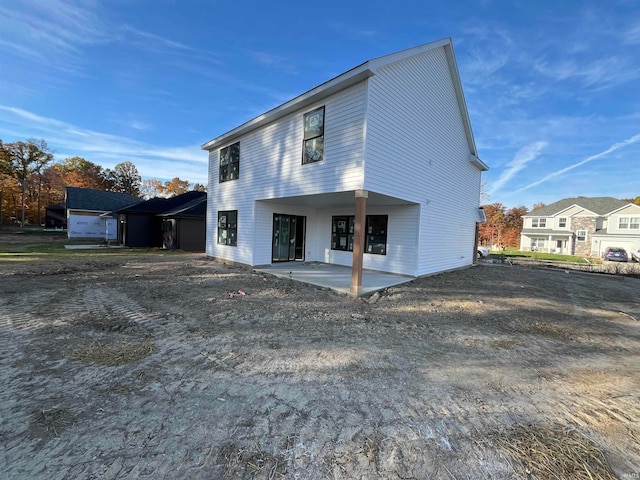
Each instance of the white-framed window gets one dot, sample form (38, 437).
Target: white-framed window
(538, 243)
(562, 222)
(538, 222)
(581, 235)
(632, 223)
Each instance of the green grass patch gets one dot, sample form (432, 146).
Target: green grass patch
(544, 256)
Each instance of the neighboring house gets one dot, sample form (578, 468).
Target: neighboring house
(140, 225)
(56, 216)
(184, 227)
(582, 226)
(383, 151)
(85, 209)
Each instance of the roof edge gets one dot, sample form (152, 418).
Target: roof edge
(342, 81)
(347, 79)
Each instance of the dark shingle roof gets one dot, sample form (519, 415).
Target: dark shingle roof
(195, 208)
(98, 200)
(597, 205)
(159, 205)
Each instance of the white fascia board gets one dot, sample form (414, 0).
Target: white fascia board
(621, 208)
(336, 84)
(476, 162)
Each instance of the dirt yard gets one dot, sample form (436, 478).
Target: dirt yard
(144, 366)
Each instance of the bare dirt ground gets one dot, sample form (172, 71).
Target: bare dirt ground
(143, 366)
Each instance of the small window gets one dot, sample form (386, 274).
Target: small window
(538, 222)
(634, 223)
(375, 234)
(313, 142)
(227, 227)
(581, 235)
(230, 162)
(562, 222)
(623, 222)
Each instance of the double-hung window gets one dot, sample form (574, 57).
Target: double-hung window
(581, 235)
(228, 227)
(313, 140)
(538, 222)
(537, 243)
(375, 240)
(562, 222)
(632, 223)
(230, 162)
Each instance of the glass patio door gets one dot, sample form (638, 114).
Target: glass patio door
(288, 238)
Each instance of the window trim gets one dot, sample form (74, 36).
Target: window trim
(631, 223)
(539, 222)
(229, 171)
(562, 220)
(584, 236)
(342, 236)
(536, 243)
(313, 135)
(228, 229)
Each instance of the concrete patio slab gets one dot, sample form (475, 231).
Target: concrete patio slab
(334, 277)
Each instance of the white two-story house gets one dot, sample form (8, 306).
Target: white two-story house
(376, 168)
(582, 226)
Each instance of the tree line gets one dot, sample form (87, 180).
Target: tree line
(31, 180)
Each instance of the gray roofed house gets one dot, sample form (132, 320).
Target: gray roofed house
(597, 205)
(582, 226)
(91, 200)
(85, 209)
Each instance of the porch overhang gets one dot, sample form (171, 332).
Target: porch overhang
(336, 200)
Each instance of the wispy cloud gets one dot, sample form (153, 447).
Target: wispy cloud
(106, 149)
(611, 149)
(632, 34)
(58, 33)
(271, 60)
(522, 157)
(598, 73)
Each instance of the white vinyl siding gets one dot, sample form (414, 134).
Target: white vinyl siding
(401, 239)
(417, 150)
(400, 133)
(272, 156)
(272, 168)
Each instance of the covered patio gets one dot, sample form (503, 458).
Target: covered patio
(334, 277)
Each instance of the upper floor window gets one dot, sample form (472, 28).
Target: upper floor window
(375, 240)
(538, 222)
(562, 222)
(313, 141)
(629, 223)
(228, 227)
(230, 162)
(581, 235)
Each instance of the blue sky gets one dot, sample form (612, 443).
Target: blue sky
(552, 87)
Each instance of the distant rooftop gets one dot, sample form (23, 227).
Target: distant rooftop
(98, 200)
(597, 205)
